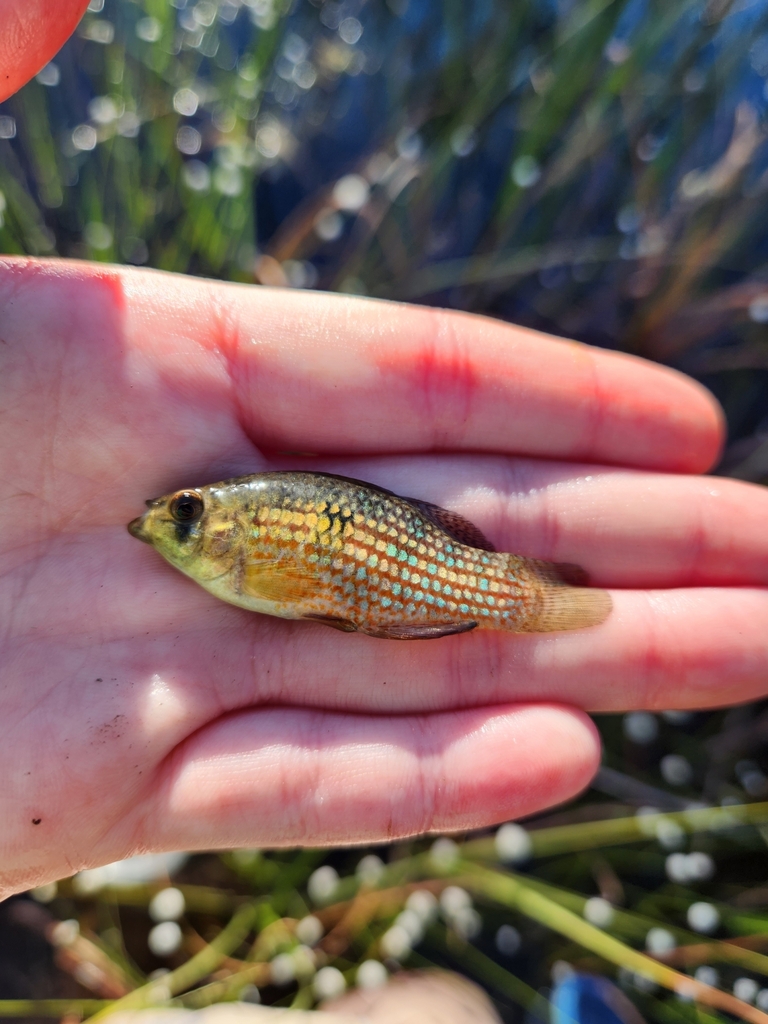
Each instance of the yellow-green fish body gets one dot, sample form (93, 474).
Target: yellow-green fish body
(314, 546)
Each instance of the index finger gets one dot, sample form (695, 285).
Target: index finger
(314, 372)
(331, 373)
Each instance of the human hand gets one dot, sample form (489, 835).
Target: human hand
(140, 713)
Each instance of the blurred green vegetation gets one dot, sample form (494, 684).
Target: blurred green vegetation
(594, 168)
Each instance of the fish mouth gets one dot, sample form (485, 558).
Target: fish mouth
(136, 529)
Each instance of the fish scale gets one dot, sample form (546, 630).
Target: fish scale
(352, 555)
(379, 560)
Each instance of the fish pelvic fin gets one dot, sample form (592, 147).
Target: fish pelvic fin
(561, 606)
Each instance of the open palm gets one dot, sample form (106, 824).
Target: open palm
(138, 712)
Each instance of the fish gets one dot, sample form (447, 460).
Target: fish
(358, 557)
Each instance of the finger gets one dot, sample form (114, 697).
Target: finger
(627, 528)
(181, 360)
(31, 32)
(283, 777)
(697, 647)
(657, 649)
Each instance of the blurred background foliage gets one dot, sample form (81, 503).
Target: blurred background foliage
(593, 168)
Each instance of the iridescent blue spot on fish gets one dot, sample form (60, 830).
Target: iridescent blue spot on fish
(405, 574)
(391, 551)
(432, 568)
(448, 589)
(440, 556)
(386, 602)
(485, 559)
(430, 598)
(408, 592)
(464, 609)
(396, 588)
(450, 562)
(485, 611)
(437, 585)
(412, 559)
(483, 584)
(373, 561)
(361, 573)
(490, 599)
(449, 548)
(440, 602)
(419, 595)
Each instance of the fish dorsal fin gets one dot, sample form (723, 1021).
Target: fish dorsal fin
(455, 525)
(419, 631)
(278, 580)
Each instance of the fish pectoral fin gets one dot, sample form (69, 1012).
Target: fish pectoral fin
(330, 620)
(455, 525)
(274, 579)
(424, 631)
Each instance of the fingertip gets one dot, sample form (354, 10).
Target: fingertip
(668, 420)
(697, 420)
(574, 736)
(711, 429)
(31, 33)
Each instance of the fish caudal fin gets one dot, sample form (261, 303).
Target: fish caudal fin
(564, 606)
(571, 608)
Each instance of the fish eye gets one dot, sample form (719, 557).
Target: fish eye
(186, 506)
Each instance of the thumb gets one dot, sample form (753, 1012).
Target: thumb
(31, 32)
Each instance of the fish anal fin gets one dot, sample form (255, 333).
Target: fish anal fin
(330, 620)
(419, 631)
(455, 525)
(278, 580)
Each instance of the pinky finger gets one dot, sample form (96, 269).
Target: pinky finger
(287, 776)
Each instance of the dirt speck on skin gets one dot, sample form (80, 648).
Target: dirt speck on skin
(109, 731)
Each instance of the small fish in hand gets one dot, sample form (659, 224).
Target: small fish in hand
(357, 557)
